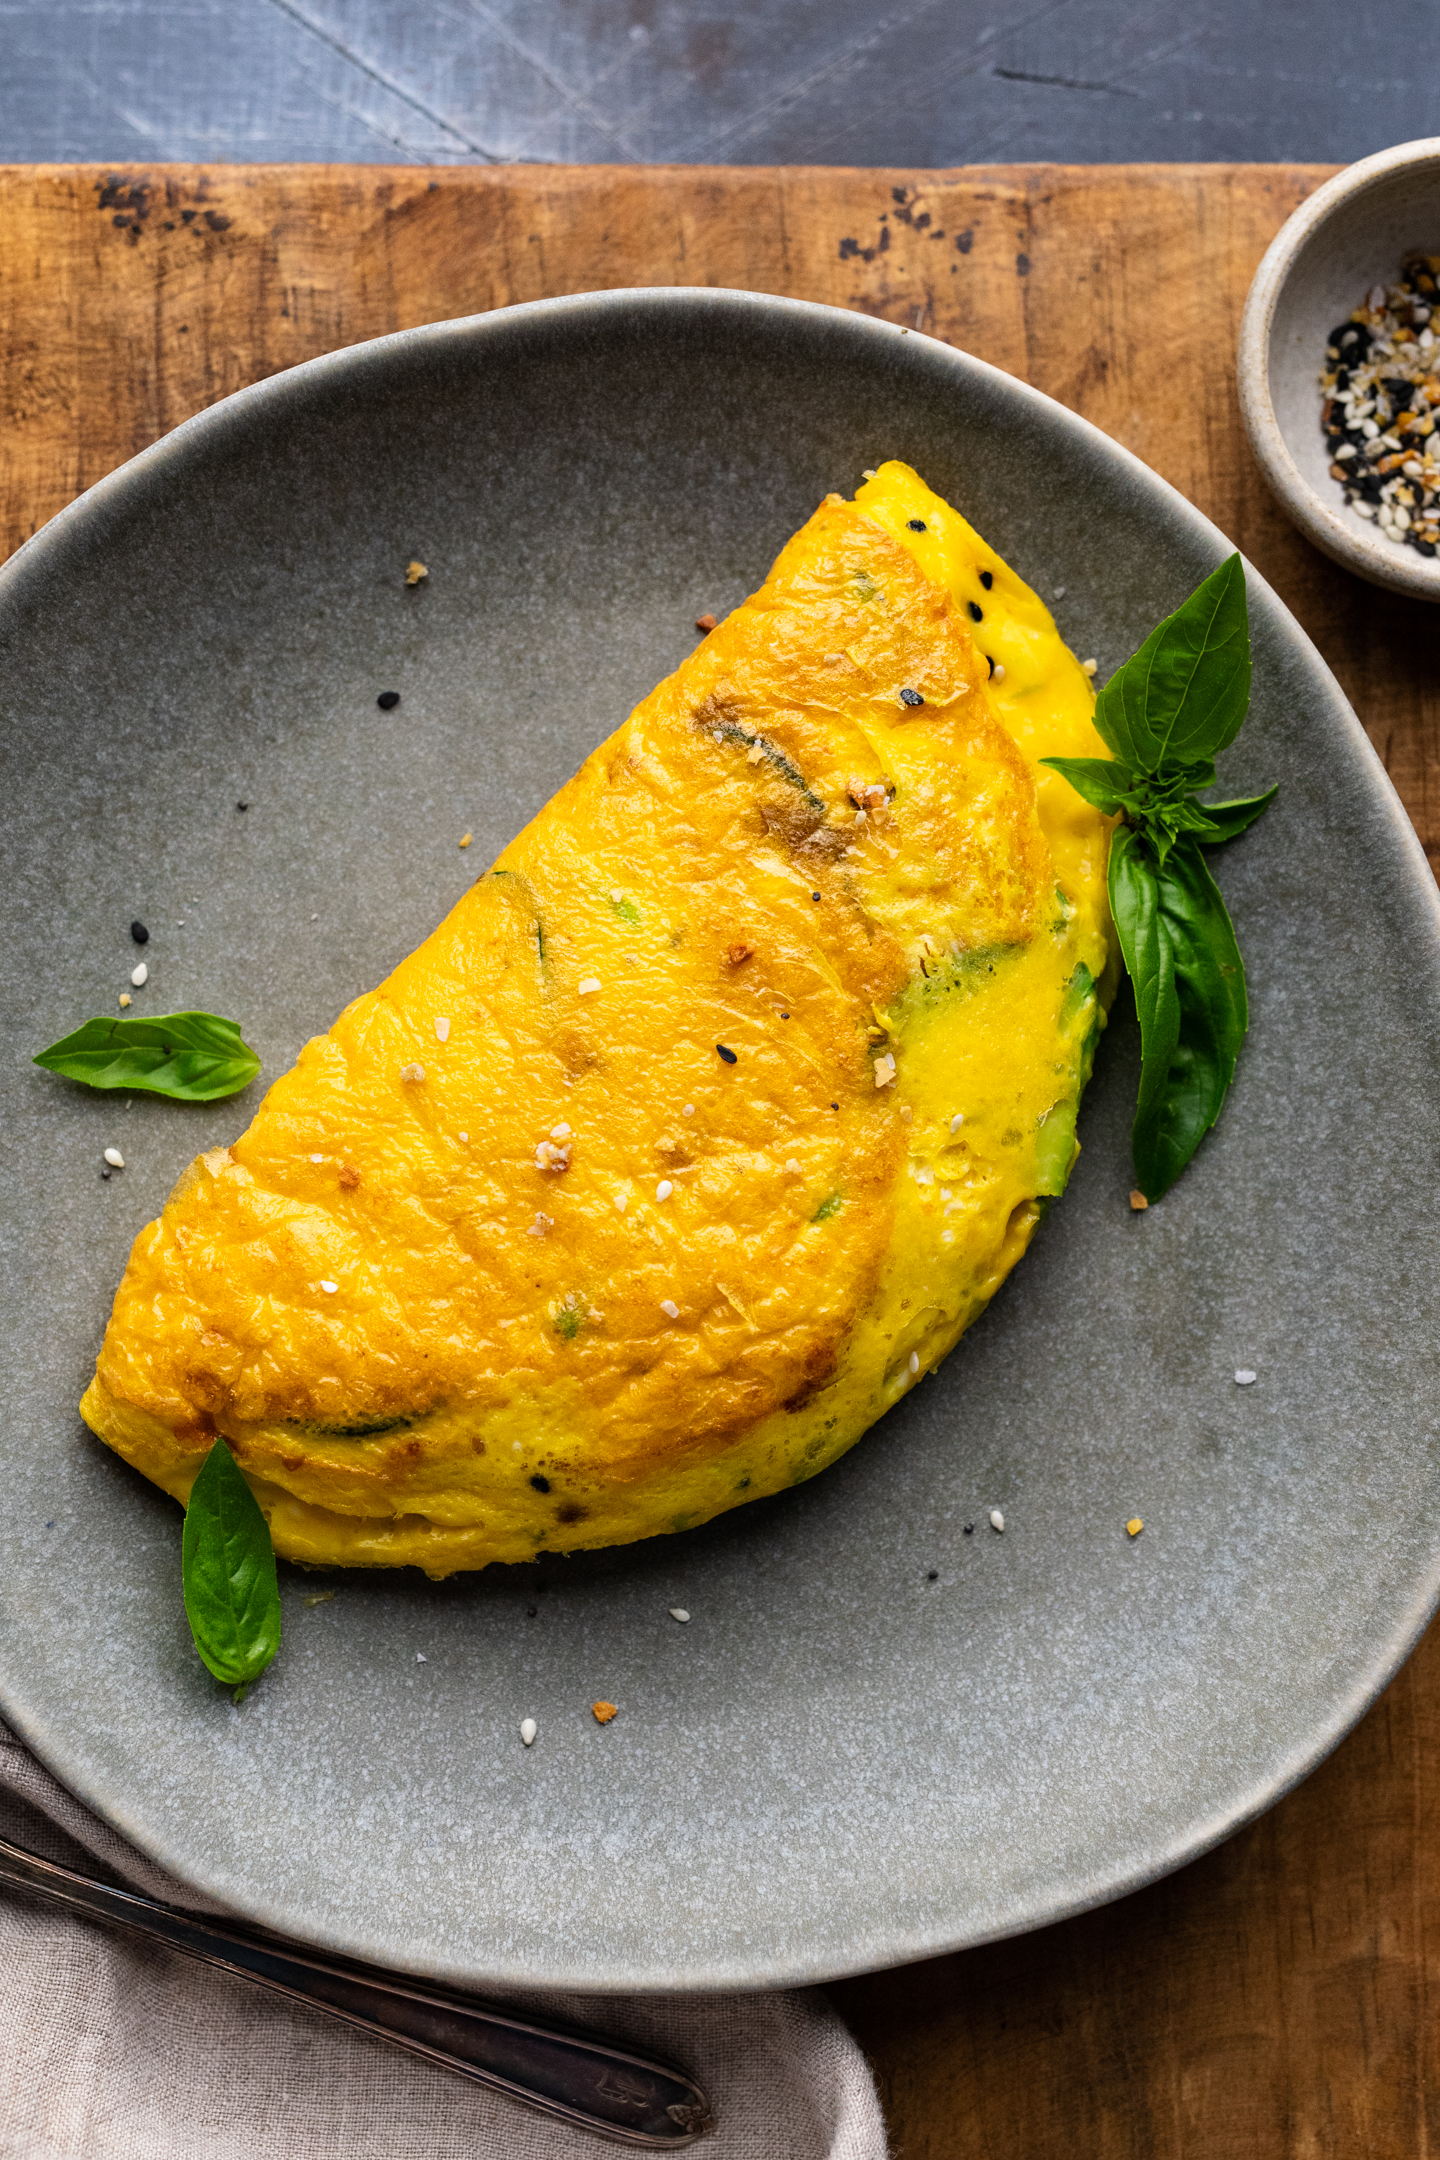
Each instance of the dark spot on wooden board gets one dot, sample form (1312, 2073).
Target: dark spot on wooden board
(965, 240)
(1022, 266)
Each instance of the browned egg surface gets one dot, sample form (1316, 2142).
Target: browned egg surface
(703, 1124)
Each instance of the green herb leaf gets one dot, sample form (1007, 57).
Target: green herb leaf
(1227, 820)
(1180, 950)
(1179, 700)
(232, 1598)
(1100, 780)
(189, 1056)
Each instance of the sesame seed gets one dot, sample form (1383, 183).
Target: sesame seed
(528, 1730)
(997, 1520)
(332, 1287)
(670, 1309)
(124, 999)
(621, 1202)
(140, 975)
(664, 1189)
(559, 1132)
(987, 579)
(140, 934)
(910, 697)
(420, 1658)
(587, 986)
(727, 1055)
(1243, 1378)
(442, 1031)
(977, 613)
(114, 1157)
(792, 1168)
(388, 700)
(914, 1361)
(1059, 592)
(465, 1136)
(317, 1158)
(689, 1110)
(997, 673)
(1134, 1527)
(957, 1121)
(412, 1075)
(719, 734)
(1089, 666)
(678, 1612)
(915, 525)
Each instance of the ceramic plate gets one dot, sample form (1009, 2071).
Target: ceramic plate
(839, 1763)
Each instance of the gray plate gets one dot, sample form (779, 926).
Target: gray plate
(838, 1764)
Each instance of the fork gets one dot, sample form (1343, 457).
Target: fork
(582, 2079)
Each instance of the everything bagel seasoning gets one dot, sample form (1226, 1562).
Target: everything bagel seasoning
(1381, 387)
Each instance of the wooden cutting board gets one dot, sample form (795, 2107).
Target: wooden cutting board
(1273, 1998)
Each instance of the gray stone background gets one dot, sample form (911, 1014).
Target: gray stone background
(832, 82)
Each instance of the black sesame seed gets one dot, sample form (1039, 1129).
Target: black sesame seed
(911, 697)
(969, 1529)
(242, 805)
(140, 934)
(105, 1175)
(541, 1484)
(388, 700)
(834, 1106)
(987, 579)
(916, 525)
(977, 613)
(530, 1612)
(934, 1575)
(814, 896)
(728, 1055)
(784, 1016)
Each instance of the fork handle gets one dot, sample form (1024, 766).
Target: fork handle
(584, 2080)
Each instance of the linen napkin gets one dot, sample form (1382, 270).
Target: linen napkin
(112, 2048)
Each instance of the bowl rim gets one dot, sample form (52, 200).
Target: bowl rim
(1341, 538)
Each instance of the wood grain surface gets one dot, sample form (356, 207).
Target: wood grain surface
(1274, 1998)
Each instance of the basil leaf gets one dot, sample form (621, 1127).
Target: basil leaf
(1100, 780)
(232, 1598)
(189, 1056)
(1227, 820)
(1180, 950)
(1180, 699)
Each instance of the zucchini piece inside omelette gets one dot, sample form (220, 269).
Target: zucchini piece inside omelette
(702, 1126)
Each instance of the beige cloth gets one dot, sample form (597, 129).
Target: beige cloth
(112, 2048)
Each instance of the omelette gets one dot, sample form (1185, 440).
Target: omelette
(704, 1124)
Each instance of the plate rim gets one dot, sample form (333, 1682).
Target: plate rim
(1099, 1885)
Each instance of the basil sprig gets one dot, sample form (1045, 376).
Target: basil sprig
(232, 1597)
(189, 1056)
(1166, 715)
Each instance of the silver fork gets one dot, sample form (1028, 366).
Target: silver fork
(584, 2080)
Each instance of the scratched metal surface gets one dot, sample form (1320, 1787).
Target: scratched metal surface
(750, 82)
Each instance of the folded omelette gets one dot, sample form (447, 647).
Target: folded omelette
(699, 1130)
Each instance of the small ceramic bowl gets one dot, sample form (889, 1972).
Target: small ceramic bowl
(1351, 234)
